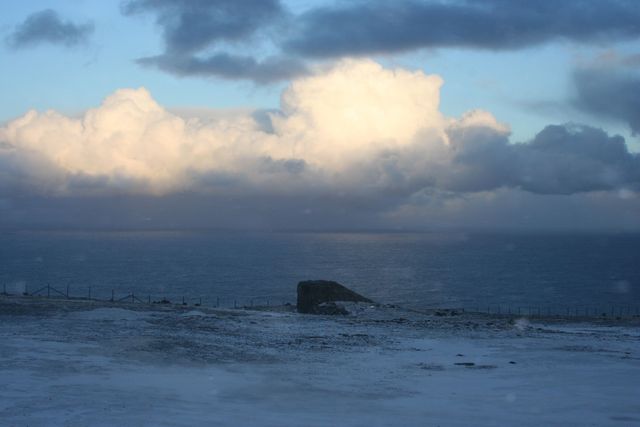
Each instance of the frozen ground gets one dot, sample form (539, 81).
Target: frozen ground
(94, 364)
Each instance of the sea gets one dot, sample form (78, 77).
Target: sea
(548, 272)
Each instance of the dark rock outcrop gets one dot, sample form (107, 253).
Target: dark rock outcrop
(314, 297)
(330, 308)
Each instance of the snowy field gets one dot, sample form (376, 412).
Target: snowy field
(95, 364)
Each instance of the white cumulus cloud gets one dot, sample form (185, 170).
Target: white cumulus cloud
(355, 128)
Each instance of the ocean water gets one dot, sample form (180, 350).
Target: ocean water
(470, 270)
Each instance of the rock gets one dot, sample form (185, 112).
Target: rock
(330, 308)
(314, 293)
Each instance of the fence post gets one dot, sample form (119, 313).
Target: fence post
(217, 302)
(112, 295)
(149, 299)
(89, 292)
(132, 298)
(235, 304)
(48, 291)
(67, 291)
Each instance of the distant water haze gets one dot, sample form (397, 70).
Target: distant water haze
(469, 270)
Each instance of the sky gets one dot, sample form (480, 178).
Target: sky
(320, 115)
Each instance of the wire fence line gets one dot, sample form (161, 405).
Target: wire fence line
(85, 293)
(559, 310)
(244, 302)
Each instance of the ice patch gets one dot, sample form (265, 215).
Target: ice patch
(522, 324)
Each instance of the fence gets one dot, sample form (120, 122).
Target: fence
(557, 310)
(85, 293)
(575, 311)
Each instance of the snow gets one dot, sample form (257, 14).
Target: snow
(107, 314)
(78, 364)
(193, 313)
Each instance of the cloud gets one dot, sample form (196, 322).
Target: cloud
(362, 28)
(610, 90)
(515, 209)
(191, 25)
(560, 159)
(476, 156)
(571, 159)
(46, 26)
(191, 29)
(228, 66)
(350, 145)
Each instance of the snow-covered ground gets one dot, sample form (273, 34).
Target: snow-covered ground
(94, 364)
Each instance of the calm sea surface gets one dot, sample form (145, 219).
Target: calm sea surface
(420, 270)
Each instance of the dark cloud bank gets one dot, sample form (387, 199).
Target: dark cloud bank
(47, 26)
(362, 28)
(503, 210)
(228, 65)
(191, 29)
(565, 160)
(610, 92)
(190, 25)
